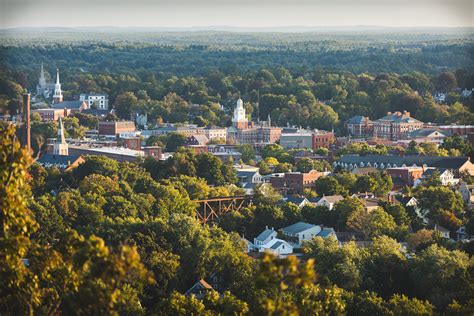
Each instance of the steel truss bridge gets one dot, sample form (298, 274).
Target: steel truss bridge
(210, 209)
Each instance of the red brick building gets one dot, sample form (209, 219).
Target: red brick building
(115, 128)
(155, 152)
(132, 143)
(323, 139)
(295, 182)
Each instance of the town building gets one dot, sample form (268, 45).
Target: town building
(214, 132)
(467, 193)
(60, 158)
(382, 162)
(395, 126)
(265, 237)
(299, 232)
(329, 201)
(71, 106)
(99, 101)
(239, 120)
(156, 152)
(309, 139)
(49, 114)
(114, 128)
(428, 135)
(460, 130)
(446, 176)
(295, 182)
(117, 153)
(405, 176)
(44, 88)
(359, 126)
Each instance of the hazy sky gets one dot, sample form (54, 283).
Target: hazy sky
(250, 13)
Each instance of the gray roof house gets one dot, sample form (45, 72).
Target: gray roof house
(267, 235)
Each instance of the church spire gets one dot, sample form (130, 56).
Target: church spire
(58, 94)
(60, 139)
(61, 148)
(57, 77)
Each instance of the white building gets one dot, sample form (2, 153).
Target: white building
(265, 237)
(299, 232)
(446, 177)
(329, 201)
(277, 247)
(60, 147)
(101, 100)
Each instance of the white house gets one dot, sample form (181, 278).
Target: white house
(467, 193)
(299, 201)
(443, 231)
(413, 203)
(299, 232)
(329, 201)
(249, 177)
(277, 247)
(265, 237)
(446, 177)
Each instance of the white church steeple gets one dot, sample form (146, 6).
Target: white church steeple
(61, 148)
(58, 94)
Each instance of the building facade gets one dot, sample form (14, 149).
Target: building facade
(359, 126)
(99, 100)
(115, 128)
(395, 126)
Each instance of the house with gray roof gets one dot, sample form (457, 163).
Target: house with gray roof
(266, 236)
(297, 233)
(277, 247)
(329, 201)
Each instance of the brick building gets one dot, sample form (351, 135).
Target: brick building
(295, 182)
(359, 126)
(49, 114)
(395, 126)
(115, 128)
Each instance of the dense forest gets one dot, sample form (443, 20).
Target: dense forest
(310, 81)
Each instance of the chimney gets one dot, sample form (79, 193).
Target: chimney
(26, 117)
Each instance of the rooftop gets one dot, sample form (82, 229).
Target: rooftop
(265, 234)
(297, 228)
(109, 150)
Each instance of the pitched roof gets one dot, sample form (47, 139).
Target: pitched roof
(199, 285)
(425, 132)
(431, 161)
(68, 104)
(297, 228)
(401, 118)
(326, 232)
(276, 245)
(295, 199)
(246, 174)
(201, 139)
(265, 234)
(358, 119)
(333, 198)
(60, 161)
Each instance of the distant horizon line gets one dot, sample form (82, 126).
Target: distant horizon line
(242, 27)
